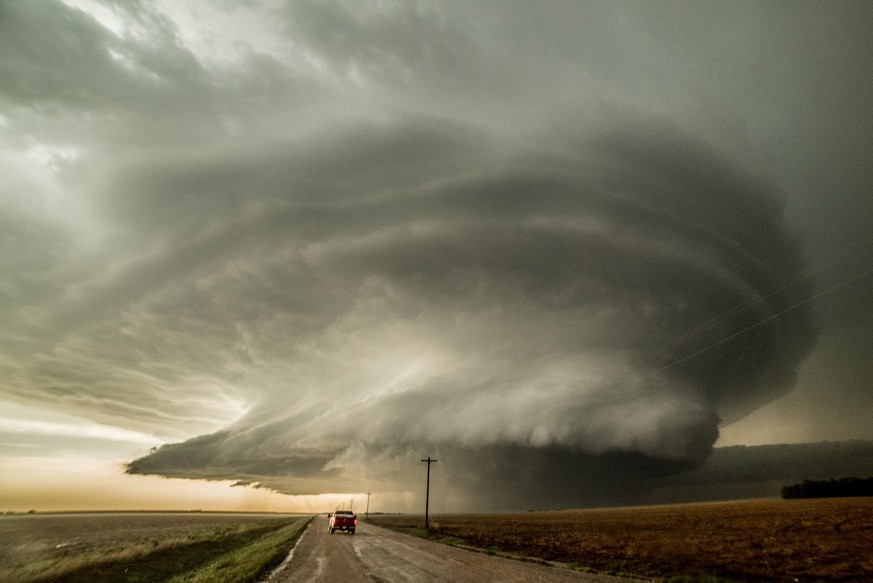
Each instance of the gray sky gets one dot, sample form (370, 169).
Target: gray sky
(309, 242)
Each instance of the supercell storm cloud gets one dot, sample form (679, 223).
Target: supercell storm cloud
(600, 299)
(558, 246)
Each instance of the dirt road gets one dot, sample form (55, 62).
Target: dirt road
(377, 555)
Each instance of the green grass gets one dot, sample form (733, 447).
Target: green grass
(230, 553)
(247, 563)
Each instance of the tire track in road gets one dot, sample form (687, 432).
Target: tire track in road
(377, 555)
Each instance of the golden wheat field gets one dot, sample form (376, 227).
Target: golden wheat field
(755, 540)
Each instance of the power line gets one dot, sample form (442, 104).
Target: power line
(837, 257)
(764, 321)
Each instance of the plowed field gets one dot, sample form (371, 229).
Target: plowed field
(759, 540)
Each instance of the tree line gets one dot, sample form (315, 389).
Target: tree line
(841, 488)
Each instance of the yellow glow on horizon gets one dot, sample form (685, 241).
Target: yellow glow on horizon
(81, 484)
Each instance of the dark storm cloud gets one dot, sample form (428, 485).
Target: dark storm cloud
(91, 250)
(522, 310)
(513, 236)
(400, 43)
(58, 57)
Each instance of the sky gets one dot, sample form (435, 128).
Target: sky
(295, 246)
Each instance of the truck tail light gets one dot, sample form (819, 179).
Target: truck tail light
(356, 522)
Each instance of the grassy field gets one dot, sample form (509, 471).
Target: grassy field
(144, 547)
(760, 540)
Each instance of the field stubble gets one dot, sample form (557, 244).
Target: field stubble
(755, 540)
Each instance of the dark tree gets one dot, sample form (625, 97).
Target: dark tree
(842, 488)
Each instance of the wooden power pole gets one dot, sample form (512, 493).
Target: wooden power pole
(427, 491)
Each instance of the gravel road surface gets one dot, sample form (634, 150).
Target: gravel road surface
(378, 555)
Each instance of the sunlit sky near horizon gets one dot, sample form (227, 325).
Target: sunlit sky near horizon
(301, 244)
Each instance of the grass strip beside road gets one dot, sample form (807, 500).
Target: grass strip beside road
(251, 562)
(240, 556)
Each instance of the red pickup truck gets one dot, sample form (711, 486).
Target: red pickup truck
(343, 520)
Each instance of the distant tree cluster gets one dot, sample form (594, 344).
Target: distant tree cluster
(842, 488)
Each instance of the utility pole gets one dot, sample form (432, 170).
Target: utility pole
(367, 513)
(427, 491)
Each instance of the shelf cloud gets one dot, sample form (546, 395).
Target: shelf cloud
(500, 309)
